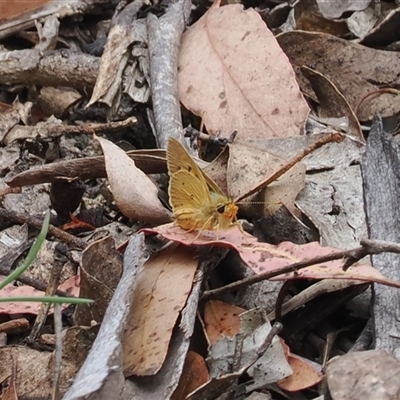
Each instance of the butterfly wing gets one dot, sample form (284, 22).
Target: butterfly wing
(197, 201)
(178, 158)
(190, 199)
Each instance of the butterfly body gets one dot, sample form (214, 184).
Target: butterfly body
(196, 200)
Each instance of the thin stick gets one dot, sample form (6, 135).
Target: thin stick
(367, 247)
(23, 218)
(333, 137)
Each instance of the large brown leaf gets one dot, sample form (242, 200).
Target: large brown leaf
(232, 71)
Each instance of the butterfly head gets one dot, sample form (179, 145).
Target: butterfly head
(228, 210)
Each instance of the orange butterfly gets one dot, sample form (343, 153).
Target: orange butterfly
(196, 200)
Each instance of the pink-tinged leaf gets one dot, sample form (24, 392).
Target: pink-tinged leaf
(233, 73)
(70, 286)
(265, 257)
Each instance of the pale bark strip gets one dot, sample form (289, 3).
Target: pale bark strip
(381, 181)
(51, 68)
(164, 35)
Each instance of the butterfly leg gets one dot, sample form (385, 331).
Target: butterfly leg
(244, 233)
(201, 229)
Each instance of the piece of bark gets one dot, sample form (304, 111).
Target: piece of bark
(101, 376)
(116, 56)
(50, 68)
(164, 37)
(381, 182)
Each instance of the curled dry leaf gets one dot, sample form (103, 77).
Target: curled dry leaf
(134, 193)
(332, 102)
(101, 269)
(305, 374)
(251, 87)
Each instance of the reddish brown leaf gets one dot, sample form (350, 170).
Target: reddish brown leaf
(195, 374)
(264, 257)
(70, 286)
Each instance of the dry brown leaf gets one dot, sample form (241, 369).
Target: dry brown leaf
(221, 319)
(250, 85)
(101, 270)
(304, 374)
(11, 392)
(160, 295)
(284, 191)
(35, 369)
(217, 169)
(332, 102)
(134, 193)
(247, 167)
(356, 70)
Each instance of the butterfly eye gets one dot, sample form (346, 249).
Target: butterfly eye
(221, 208)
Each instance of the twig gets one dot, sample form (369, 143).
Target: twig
(54, 281)
(51, 68)
(375, 93)
(164, 36)
(367, 247)
(289, 268)
(380, 246)
(333, 137)
(22, 218)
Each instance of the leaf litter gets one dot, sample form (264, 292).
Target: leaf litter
(236, 74)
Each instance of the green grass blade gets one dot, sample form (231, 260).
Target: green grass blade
(47, 299)
(31, 255)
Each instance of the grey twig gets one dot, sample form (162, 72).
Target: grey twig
(164, 35)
